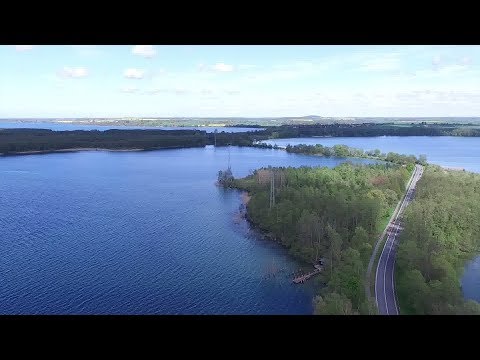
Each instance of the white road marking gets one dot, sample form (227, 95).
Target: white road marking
(415, 177)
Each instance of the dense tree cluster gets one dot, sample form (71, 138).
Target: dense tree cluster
(346, 151)
(18, 140)
(327, 213)
(440, 235)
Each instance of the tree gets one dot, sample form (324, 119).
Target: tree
(415, 291)
(368, 307)
(347, 279)
(225, 178)
(333, 304)
(359, 237)
(335, 243)
(422, 159)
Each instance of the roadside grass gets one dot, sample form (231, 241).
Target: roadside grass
(383, 222)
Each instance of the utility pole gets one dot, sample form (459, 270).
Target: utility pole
(272, 189)
(228, 156)
(215, 136)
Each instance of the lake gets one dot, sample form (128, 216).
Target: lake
(140, 233)
(471, 280)
(68, 126)
(451, 151)
(150, 233)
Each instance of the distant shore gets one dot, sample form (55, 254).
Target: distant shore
(452, 168)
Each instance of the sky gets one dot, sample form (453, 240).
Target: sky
(68, 81)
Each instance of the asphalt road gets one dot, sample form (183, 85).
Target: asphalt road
(384, 277)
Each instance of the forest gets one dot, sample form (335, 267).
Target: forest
(19, 140)
(440, 236)
(330, 214)
(373, 129)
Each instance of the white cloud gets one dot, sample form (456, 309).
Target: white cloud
(88, 51)
(442, 71)
(436, 60)
(155, 91)
(78, 72)
(174, 91)
(23, 47)
(129, 90)
(147, 51)
(386, 62)
(436, 97)
(454, 68)
(181, 91)
(466, 60)
(291, 71)
(221, 67)
(246, 67)
(134, 73)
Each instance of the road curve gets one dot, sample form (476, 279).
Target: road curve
(384, 277)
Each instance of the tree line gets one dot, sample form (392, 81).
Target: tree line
(346, 151)
(373, 129)
(19, 140)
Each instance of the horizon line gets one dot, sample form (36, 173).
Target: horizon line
(234, 117)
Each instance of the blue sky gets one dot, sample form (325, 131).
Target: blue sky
(250, 81)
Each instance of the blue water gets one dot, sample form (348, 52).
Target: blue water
(139, 233)
(452, 151)
(471, 280)
(67, 126)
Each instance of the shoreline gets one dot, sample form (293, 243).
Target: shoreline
(40, 152)
(452, 168)
(264, 233)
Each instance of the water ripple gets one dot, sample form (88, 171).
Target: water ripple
(143, 233)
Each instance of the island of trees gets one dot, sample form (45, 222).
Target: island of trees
(441, 234)
(22, 140)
